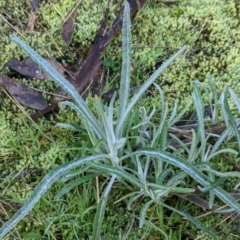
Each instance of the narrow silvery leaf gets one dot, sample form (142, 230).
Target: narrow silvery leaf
(193, 148)
(220, 140)
(178, 142)
(161, 177)
(199, 108)
(107, 122)
(214, 184)
(126, 62)
(214, 109)
(173, 113)
(225, 174)
(120, 143)
(61, 81)
(63, 105)
(231, 119)
(75, 107)
(235, 98)
(140, 170)
(213, 89)
(223, 151)
(180, 115)
(97, 225)
(197, 98)
(223, 109)
(73, 127)
(163, 102)
(211, 197)
(118, 171)
(143, 212)
(164, 136)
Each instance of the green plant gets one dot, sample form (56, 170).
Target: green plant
(130, 148)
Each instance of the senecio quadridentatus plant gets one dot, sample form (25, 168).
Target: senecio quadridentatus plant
(109, 131)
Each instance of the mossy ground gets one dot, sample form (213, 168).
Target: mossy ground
(211, 31)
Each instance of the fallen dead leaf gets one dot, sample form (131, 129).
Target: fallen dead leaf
(23, 94)
(196, 199)
(35, 5)
(69, 25)
(29, 68)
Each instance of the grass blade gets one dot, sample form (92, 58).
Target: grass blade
(193, 220)
(158, 229)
